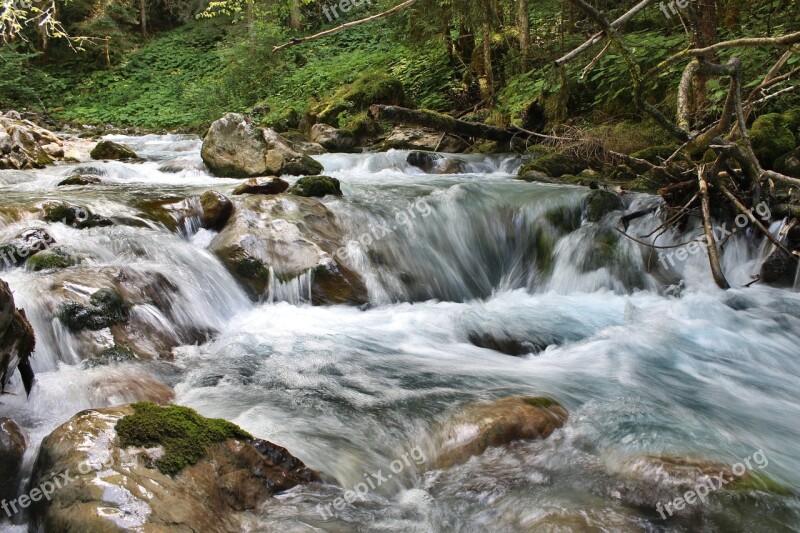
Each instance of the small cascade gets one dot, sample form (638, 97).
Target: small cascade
(296, 291)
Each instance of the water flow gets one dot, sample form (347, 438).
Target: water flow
(649, 357)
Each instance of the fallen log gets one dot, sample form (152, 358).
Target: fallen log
(448, 124)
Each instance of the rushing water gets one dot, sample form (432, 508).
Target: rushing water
(648, 359)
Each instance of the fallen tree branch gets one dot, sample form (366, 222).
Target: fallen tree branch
(346, 26)
(708, 228)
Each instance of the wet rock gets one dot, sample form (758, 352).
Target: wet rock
(332, 139)
(81, 180)
(53, 259)
(555, 165)
(283, 238)
(235, 148)
(177, 166)
(265, 186)
(217, 210)
(316, 187)
(124, 464)
(12, 450)
(107, 308)
(423, 160)
(505, 344)
(408, 138)
(779, 269)
(24, 145)
(598, 203)
(74, 215)
(15, 252)
(17, 341)
(498, 423)
(108, 150)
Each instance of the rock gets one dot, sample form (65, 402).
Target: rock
(234, 148)
(284, 238)
(369, 88)
(12, 450)
(282, 159)
(266, 186)
(15, 252)
(177, 166)
(106, 309)
(217, 210)
(771, 137)
(779, 270)
(73, 215)
(109, 150)
(423, 160)
(598, 203)
(332, 139)
(80, 180)
(789, 164)
(146, 468)
(316, 187)
(498, 423)
(408, 138)
(505, 344)
(51, 260)
(299, 143)
(25, 145)
(555, 165)
(17, 341)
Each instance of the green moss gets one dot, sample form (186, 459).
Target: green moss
(373, 87)
(541, 402)
(656, 154)
(362, 126)
(184, 435)
(107, 309)
(316, 187)
(599, 203)
(771, 137)
(73, 215)
(556, 165)
(251, 268)
(760, 482)
(50, 260)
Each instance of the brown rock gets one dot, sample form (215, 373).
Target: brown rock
(217, 209)
(266, 186)
(12, 450)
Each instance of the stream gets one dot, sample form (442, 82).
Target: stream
(648, 360)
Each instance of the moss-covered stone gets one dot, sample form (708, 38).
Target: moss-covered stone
(113, 355)
(316, 187)
(598, 203)
(112, 150)
(771, 137)
(51, 260)
(107, 309)
(556, 165)
(183, 434)
(369, 88)
(73, 215)
(80, 180)
(252, 268)
(789, 163)
(655, 154)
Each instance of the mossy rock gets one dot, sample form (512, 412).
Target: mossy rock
(183, 434)
(771, 137)
(369, 88)
(789, 164)
(362, 127)
(80, 180)
(655, 154)
(113, 151)
(252, 268)
(75, 216)
(107, 309)
(556, 165)
(51, 260)
(598, 203)
(288, 120)
(316, 187)
(109, 356)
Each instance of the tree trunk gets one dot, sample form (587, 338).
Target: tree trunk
(524, 34)
(143, 16)
(486, 36)
(294, 15)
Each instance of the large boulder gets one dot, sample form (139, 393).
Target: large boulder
(109, 150)
(410, 138)
(332, 139)
(235, 148)
(142, 467)
(772, 137)
(217, 210)
(789, 163)
(24, 145)
(284, 238)
(483, 425)
(17, 340)
(779, 269)
(12, 449)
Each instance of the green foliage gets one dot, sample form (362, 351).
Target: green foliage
(22, 85)
(316, 187)
(182, 432)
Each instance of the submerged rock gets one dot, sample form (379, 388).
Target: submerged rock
(284, 238)
(18, 250)
(598, 203)
(74, 215)
(143, 467)
(504, 344)
(53, 259)
(265, 186)
(109, 150)
(12, 450)
(433, 163)
(484, 425)
(81, 180)
(235, 148)
(316, 187)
